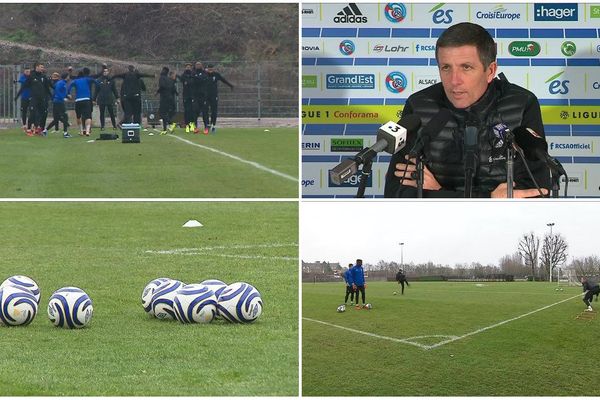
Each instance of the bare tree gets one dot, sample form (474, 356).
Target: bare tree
(554, 253)
(529, 247)
(586, 266)
(512, 264)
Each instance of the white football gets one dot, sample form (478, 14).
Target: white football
(240, 302)
(70, 307)
(148, 292)
(18, 305)
(368, 306)
(341, 308)
(215, 285)
(162, 299)
(24, 281)
(195, 303)
(395, 293)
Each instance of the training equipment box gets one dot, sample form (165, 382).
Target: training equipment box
(131, 133)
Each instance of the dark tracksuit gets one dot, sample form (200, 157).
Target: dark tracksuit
(83, 96)
(40, 89)
(591, 288)
(105, 96)
(199, 87)
(187, 81)
(401, 278)
(131, 95)
(358, 278)
(167, 91)
(59, 112)
(25, 97)
(349, 291)
(212, 90)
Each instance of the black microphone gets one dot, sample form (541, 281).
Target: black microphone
(535, 148)
(433, 127)
(391, 138)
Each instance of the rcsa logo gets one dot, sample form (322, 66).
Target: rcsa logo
(395, 12)
(524, 48)
(347, 47)
(555, 12)
(558, 86)
(424, 47)
(441, 16)
(568, 48)
(351, 14)
(396, 82)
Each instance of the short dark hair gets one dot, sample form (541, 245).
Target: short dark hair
(358, 260)
(64, 75)
(467, 33)
(86, 71)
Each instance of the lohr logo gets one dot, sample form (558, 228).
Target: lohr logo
(396, 82)
(524, 48)
(381, 48)
(557, 86)
(395, 12)
(441, 16)
(568, 48)
(347, 47)
(351, 14)
(560, 12)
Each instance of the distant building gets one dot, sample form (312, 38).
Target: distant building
(320, 267)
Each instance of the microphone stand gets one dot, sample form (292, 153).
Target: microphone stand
(364, 177)
(510, 164)
(555, 183)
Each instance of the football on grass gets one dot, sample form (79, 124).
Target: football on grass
(240, 302)
(25, 282)
(195, 303)
(70, 307)
(18, 305)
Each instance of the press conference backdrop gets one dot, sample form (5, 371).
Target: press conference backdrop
(361, 61)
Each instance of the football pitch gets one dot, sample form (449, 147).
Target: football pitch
(449, 339)
(231, 163)
(112, 250)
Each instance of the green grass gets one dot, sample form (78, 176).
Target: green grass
(102, 248)
(547, 353)
(158, 167)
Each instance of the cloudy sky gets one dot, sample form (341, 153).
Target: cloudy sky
(447, 232)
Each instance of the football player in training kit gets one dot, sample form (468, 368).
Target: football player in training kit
(401, 279)
(358, 283)
(83, 100)
(590, 288)
(347, 275)
(39, 86)
(25, 97)
(212, 92)
(59, 112)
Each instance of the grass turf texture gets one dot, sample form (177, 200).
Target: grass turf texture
(543, 354)
(158, 167)
(102, 248)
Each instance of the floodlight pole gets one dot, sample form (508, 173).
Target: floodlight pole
(401, 254)
(550, 224)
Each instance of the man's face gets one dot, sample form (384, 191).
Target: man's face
(210, 70)
(463, 76)
(198, 65)
(39, 68)
(27, 72)
(105, 72)
(188, 67)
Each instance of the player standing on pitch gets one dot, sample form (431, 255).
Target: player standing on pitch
(590, 288)
(83, 100)
(199, 90)
(188, 97)
(40, 88)
(131, 94)
(358, 283)
(25, 97)
(167, 91)
(59, 111)
(212, 93)
(401, 278)
(347, 275)
(106, 96)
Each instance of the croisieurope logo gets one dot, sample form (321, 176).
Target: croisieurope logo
(395, 12)
(347, 47)
(498, 13)
(396, 82)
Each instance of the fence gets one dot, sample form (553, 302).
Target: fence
(262, 90)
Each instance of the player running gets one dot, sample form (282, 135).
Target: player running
(401, 279)
(590, 288)
(83, 100)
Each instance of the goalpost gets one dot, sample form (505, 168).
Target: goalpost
(566, 277)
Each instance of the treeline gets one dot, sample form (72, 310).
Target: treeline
(166, 31)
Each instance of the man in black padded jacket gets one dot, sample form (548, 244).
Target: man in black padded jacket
(466, 57)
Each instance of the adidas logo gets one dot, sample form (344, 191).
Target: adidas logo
(351, 14)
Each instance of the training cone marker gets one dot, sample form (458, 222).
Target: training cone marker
(192, 223)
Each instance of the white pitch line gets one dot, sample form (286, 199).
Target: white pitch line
(368, 333)
(252, 163)
(239, 246)
(453, 338)
(499, 323)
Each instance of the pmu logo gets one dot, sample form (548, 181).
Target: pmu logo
(441, 16)
(347, 47)
(351, 14)
(395, 12)
(524, 48)
(568, 48)
(396, 82)
(553, 12)
(557, 86)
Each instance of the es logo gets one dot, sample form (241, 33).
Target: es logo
(441, 16)
(558, 86)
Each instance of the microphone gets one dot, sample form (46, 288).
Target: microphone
(470, 146)
(535, 148)
(391, 138)
(433, 127)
